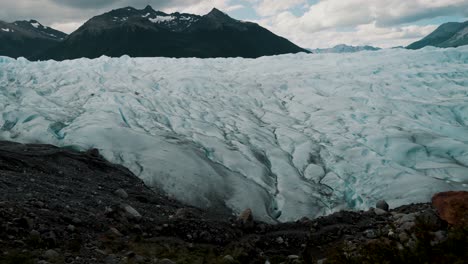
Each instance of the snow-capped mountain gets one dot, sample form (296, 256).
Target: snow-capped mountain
(342, 48)
(27, 38)
(151, 33)
(447, 35)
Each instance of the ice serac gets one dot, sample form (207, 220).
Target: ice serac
(287, 136)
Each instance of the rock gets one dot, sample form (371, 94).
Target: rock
(71, 228)
(407, 226)
(407, 218)
(166, 261)
(51, 254)
(379, 211)
(121, 193)
(321, 261)
(452, 207)
(131, 212)
(111, 259)
(279, 240)
(185, 213)
(50, 239)
(228, 259)
(76, 221)
(293, 257)
(139, 259)
(430, 220)
(25, 222)
(439, 237)
(35, 235)
(246, 219)
(370, 234)
(114, 232)
(93, 152)
(403, 237)
(382, 204)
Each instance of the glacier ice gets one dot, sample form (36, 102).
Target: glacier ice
(288, 136)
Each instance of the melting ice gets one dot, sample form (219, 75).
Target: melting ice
(288, 136)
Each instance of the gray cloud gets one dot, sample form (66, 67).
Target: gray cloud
(51, 12)
(86, 3)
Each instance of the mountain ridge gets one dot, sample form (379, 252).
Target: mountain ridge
(151, 33)
(451, 34)
(27, 38)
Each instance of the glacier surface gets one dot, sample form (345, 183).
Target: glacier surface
(288, 136)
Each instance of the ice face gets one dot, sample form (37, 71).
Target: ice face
(288, 136)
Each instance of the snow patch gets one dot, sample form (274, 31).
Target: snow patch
(146, 15)
(35, 24)
(161, 19)
(6, 30)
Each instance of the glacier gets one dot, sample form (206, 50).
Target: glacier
(288, 136)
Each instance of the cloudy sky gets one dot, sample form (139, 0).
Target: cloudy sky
(308, 23)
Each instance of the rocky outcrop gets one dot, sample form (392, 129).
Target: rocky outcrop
(452, 207)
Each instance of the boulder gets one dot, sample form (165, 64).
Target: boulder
(245, 219)
(382, 204)
(452, 207)
(121, 193)
(131, 212)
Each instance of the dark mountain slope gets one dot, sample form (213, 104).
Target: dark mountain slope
(150, 33)
(27, 38)
(447, 35)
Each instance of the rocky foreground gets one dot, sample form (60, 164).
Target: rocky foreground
(62, 206)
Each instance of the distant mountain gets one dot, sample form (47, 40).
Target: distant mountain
(27, 38)
(342, 48)
(447, 35)
(150, 33)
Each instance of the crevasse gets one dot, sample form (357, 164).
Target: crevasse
(288, 136)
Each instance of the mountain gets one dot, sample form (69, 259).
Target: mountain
(342, 48)
(450, 34)
(150, 33)
(27, 38)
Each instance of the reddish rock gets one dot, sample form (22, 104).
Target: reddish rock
(452, 207)
(246, 219)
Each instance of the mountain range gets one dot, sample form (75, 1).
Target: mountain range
(450, 34)
(342, 48)
(147, 33)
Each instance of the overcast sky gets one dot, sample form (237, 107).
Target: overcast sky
(308, 23)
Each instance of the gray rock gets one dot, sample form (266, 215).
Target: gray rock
(50, 254)
(228, 259)
(121, 193)
(279, 240)
(292, 257)
(166, 261)
(131, 212)
(321, 261)
(370, 233)
(71, 228)
(111, 259)
(407, 218)
(379, 211)
(139, 259)
(439, 237)
(382, 204)
(113, 231)
(35, 235)
(430, 219)
(406, 226)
